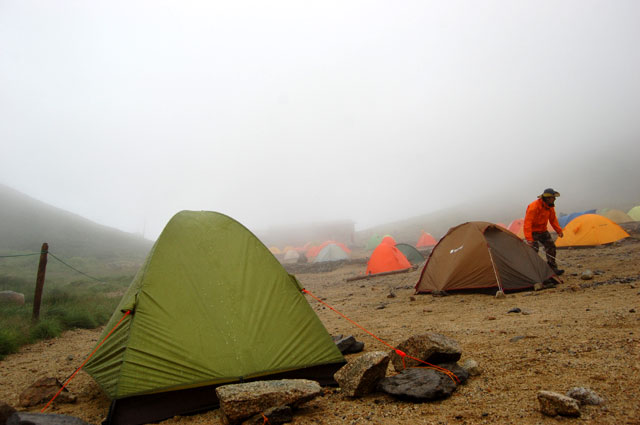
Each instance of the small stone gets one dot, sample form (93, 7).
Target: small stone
(500, 295)
(517, 338)
(538, 286)
(471, 366)
(514, 310)
(553, 404)
(585, 396)
(491, 318)
(586, 275)
(412, 298)
(633, 310)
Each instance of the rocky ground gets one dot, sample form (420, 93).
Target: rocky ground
(581, 333)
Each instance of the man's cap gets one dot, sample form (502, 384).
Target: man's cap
(549, 193)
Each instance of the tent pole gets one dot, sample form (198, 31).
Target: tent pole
(494, 269)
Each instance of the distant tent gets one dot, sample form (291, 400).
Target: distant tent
(386, 258)
(291, 256)
(504, 226)
(566, 219)
(331, 252)
(210, 306)
(312, 251)
(634, 213)
(340, 244)
(426, 240)
(481, 256)
(616, 216)
(590, 230)
(517, 227)
(412, 254)
(373, 242)
(275, 250)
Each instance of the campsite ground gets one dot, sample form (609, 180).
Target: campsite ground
(581, 333)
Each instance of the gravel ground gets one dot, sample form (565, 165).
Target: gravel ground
(580, 333)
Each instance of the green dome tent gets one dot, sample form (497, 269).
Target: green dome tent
(373, 242)
(412, 254)
(210, 306)
(634, 213)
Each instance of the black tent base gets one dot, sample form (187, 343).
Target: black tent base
(148, 408)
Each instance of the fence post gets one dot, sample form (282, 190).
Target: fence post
(42, 268)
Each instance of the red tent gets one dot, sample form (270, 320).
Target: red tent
(426, 240)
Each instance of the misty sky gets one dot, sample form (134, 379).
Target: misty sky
(126, 112)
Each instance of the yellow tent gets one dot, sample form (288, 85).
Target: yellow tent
(590, 230)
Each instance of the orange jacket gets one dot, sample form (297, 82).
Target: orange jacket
(536, 218)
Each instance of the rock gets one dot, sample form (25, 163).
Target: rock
(11, 297)
(274, 415)
(432, 348)
(44, 390)
(553, 404)
(5, 411)
(514, 310)
(500, 295)
(538, 286)
(472, 368)
(517, 338)
(24, 418)
(585, 396)
(241, 401)
(345, 343)
(362, 375)
(418, 384)
(391, 294)
(460, 372)
(356, 347)
(586, 275)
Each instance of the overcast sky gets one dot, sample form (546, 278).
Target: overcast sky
(274, 112)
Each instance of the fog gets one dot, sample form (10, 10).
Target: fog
(126, 112)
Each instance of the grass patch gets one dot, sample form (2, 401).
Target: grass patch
(77, 305)
(45, 329)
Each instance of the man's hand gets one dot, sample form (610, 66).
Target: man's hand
(561, 234)
(528, 242)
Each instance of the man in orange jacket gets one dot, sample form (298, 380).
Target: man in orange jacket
(539, 213)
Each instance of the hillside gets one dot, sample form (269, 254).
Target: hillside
(25, 223)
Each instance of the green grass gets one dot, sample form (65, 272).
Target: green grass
(81, 304)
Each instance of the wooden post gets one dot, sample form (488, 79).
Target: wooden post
(42, 268)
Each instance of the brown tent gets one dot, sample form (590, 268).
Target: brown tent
(481, 256)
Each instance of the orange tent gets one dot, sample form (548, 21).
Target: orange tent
(388, 240)
(590, 230)
(517, 227)
(386, 258)
(426, 240)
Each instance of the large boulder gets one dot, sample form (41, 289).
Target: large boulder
(10, 297)
(242, 401)
(433, 348)
(361, 376)
(419, 384)
(44, 390)
(553, 404)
